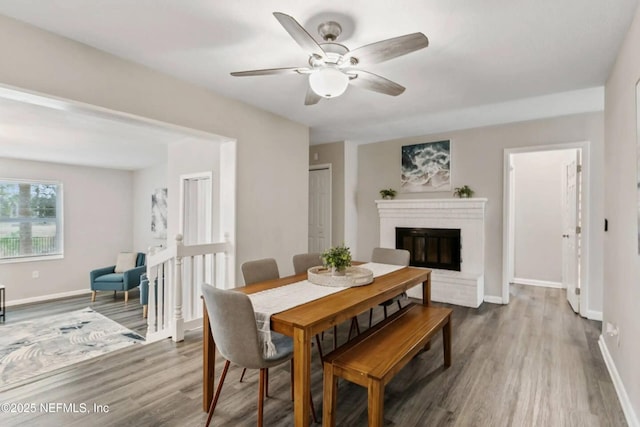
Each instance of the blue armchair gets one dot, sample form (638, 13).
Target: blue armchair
(106, 279)
(144, 293)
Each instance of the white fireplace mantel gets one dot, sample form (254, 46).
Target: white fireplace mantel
(465, 287)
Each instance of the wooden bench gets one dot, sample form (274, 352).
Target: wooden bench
(373, 358)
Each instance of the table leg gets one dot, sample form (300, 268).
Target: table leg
(208, 361)
(446, 342)
(426, 291)
(426, 300)
(302, 373)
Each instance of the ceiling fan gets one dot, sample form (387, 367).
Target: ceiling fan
(332, 66)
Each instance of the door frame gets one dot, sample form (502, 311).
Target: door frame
(320, 167)
(508, 216)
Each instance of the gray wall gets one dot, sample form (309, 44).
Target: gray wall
(97, 225)
(538, 214)
(477, 160)
(272, 152)
(333, 153)
(145, 182)
(621, 260)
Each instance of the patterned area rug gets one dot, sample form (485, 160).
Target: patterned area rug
(35, 347)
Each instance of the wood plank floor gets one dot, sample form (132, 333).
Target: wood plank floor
(530, 363)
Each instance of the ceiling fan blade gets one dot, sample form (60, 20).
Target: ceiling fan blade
(269, 71)
(386, 49)
(376, 83)
(311, 98)
(299, 34)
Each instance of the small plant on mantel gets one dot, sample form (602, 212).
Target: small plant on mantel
(388, 193)
(337, 259)
(463, 192)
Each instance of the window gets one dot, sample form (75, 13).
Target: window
(30, 220)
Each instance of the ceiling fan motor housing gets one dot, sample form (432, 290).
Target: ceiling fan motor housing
(329, 31)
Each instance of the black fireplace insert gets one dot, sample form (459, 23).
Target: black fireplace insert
(431, 247)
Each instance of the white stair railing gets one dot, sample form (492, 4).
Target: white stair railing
(175, 275)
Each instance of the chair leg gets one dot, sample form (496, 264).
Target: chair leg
(114, 294)
(335, 336)
(93, 296)
(261, 396)
(354, 325)
(385, 311)
(244, 371)
(370, 316)
(126, 296)
(218, 390)
(145, 311)
(313, 409)
(266, 382)
(292, 376)
(399, 305)
(319, 348)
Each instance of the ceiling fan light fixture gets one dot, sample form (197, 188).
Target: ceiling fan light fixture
(328, 82)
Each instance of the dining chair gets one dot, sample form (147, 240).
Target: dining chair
(302, 263)
(233, 324)
(394, 257)
(259, 271)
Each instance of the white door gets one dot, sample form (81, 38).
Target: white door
(319, 209)
(195, 226)
(571, 231)
(196, 209)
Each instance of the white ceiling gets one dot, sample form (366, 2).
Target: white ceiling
(481, 53)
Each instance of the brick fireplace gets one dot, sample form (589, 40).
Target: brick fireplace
(462, 287)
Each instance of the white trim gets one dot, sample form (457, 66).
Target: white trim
(493, 300)
(534, 282)
(623, 397)
(47, 297)
(507, 215)
(71, 105)
(37, 258)
(594, 315)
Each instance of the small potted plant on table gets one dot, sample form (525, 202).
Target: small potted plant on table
(337, 259)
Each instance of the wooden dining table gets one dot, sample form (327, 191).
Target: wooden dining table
(303, 322)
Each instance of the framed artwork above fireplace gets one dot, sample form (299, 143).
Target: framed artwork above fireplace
(426, 167)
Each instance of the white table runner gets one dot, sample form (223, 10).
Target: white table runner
(282, 298)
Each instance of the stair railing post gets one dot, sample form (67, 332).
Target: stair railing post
(178, 320)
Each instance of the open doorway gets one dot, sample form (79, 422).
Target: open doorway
(544, 231)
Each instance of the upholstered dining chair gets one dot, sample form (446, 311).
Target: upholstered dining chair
(303, 262)
(259, 271)
(233, 325)
(394, 257)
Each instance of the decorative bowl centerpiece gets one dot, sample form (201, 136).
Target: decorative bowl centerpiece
(337, 270)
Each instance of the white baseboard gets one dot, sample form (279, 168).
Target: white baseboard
(627, 408)
(47, 297)
(534, 282)
(594, 315)
(493, 300)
